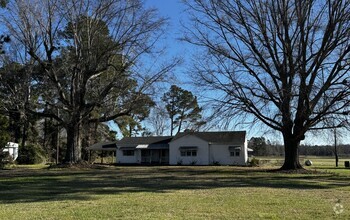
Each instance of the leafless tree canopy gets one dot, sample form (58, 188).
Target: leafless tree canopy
(284, 62)
(88, 57)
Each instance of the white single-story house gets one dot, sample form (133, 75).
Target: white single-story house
(186, 148)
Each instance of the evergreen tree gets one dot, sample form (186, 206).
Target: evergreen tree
(182, 107)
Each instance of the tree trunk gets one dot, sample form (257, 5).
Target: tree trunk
(291, 156)
(171, 126)
(73, 153)
(335, 148)
(25, 126)
(180, 125)
(24, 134)
(87, 133)
(15, 125)
(336, 160)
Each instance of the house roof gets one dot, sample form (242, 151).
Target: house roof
(159, 142)
(162, 142)
(216, 137)
(144, 140)
(106, 146)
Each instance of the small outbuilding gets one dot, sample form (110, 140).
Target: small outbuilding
(12, 149)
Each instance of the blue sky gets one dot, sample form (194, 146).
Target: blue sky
(174, 10)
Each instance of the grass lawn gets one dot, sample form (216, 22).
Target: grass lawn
(168, 192)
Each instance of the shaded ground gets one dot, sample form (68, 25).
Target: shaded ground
(25, 186)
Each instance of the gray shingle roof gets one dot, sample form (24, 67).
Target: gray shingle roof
(107, 146)
(144, 140)
(217, 137)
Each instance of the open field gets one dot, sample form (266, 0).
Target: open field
(168, 192)
(323, 164)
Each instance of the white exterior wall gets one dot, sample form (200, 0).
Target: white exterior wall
(175, 157)
(120, 158)
(221, 154)
(12, 148)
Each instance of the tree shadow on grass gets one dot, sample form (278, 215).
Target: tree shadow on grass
(49, 185)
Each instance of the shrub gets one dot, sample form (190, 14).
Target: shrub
(30, 154)
(194, 162)
(5, 159)
(216, 163)
(254, 162)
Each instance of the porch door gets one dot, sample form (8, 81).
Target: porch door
(146, 156)
(155, 154)
(164, 156)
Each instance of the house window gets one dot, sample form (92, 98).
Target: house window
(188, 151)
(235, 151)
(128, 152)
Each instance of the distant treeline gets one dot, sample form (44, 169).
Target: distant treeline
(263, 147)
(324, 150)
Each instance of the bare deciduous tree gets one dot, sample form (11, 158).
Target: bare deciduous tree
(158, 120)
(88, 53)
(284, 62)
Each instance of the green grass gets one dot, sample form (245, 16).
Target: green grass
(324, 164)
(217, 192)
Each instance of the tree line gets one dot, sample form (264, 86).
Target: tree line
(264, 147)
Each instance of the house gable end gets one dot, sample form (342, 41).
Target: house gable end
(189, 136)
